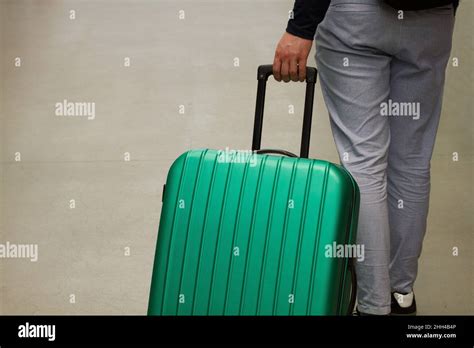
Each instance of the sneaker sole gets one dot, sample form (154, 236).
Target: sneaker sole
(403, 315)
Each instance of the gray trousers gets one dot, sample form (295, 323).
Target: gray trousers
(382, 74)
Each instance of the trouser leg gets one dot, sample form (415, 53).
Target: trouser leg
(416, 87)
(355, 80)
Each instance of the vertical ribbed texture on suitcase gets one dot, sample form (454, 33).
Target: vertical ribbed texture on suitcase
(251, 238)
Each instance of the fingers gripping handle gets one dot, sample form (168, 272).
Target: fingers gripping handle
(264, 71)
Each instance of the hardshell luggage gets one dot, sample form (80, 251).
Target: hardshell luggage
(247, 233)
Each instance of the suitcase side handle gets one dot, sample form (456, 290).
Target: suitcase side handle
(275, 151)
(263, 72)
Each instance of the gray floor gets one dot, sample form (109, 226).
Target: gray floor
(174, 62)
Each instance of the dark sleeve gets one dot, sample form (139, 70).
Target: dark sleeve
(307, 14)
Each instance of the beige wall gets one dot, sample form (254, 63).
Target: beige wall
(2, 31)
(173, 62)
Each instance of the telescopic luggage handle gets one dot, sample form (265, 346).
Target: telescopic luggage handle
(264, 71)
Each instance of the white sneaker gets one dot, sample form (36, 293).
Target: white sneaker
(403, 304)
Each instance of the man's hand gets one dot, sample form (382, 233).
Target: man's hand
(290, 58)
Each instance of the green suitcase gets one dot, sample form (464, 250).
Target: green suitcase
(248, 233)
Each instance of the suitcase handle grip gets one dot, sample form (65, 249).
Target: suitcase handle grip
(263, 72)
